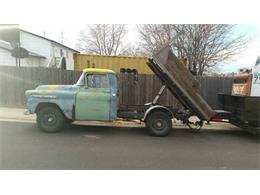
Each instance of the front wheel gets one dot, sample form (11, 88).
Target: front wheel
(159, 124)
(50, 119)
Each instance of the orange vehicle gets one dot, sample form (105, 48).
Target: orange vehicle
(242, 83)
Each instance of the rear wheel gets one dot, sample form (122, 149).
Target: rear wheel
(50, 119)
(159, 124)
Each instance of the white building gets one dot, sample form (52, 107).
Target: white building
(33, 60)
(43, 52)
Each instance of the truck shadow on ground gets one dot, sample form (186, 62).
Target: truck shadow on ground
(175, 133)
(132, 132)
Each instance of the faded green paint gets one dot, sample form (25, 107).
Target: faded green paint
(62, 95)
(93, 104)
(94, 97)
(114, 96)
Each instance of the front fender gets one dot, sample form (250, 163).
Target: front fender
(65, 105)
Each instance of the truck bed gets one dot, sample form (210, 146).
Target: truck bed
(180, 82)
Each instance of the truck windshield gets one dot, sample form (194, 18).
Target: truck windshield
(112, 80)
(97, 81)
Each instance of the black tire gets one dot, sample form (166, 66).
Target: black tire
(50, 119)
(159, 124)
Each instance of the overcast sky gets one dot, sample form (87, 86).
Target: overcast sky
(71, 31)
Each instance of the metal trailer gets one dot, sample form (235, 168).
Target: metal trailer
(182, 84)
(241, 111)
(242, 108)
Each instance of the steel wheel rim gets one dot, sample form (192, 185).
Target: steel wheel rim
(158, 124)
(50, 119)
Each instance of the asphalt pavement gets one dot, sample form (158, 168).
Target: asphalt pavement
(23, 146)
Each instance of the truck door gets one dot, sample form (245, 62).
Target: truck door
(114, 96)
(93, 101)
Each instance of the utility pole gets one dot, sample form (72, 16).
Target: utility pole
(19, 59)
(61, 37)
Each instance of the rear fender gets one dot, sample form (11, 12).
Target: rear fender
(157, 108)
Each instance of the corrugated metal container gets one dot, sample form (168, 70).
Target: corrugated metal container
(114, 63)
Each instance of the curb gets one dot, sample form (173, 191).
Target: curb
(16, 120)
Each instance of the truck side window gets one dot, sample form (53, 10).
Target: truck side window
(98, 81)
(113, 81)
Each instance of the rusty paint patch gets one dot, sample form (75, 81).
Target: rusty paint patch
(53, 87)
(42, 92)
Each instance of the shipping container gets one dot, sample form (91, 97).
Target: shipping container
(115, 63)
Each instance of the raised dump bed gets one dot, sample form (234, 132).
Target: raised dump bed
(180, 82)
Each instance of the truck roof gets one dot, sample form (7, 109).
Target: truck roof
(98, 70)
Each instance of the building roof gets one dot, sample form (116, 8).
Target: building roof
(50, 40)
(16, 26)
(113, 56)
(97, 70)
(7, 46)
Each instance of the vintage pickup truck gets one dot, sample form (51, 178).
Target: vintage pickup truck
(94, 97)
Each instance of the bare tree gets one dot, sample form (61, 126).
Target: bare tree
(132, 50)
(102, 39)
(203, 45)
(153, 36)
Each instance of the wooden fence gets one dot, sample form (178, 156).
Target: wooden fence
(15, 81)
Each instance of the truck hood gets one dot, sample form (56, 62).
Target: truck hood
(62, 95)
(58, 91)
(57, 87)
